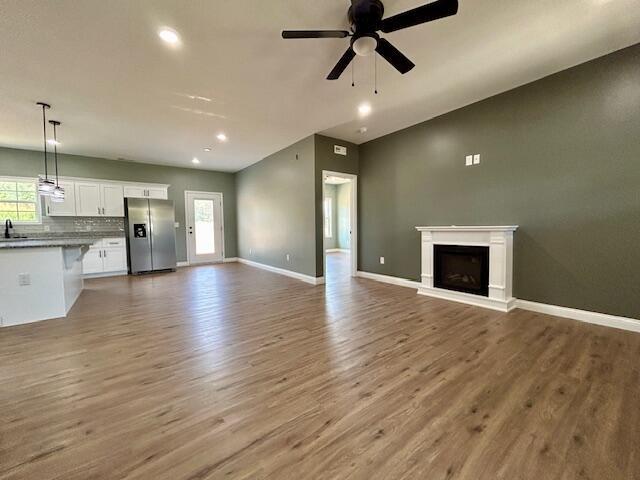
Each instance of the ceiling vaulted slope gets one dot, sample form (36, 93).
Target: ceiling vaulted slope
(122, 93)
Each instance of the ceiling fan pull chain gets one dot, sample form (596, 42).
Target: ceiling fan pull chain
(375, 72)
(353, 83)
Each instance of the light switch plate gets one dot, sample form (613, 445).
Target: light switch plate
(476, 159)
(469, 160)
(24, 279)
(177, 224)
(381, 260)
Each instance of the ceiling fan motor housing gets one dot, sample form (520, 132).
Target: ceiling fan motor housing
(365, 16)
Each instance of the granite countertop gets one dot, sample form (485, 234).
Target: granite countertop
(45, 242)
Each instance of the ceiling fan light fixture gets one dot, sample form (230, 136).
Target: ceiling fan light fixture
(365, 46)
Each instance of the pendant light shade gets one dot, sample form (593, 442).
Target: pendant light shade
(45, 186)
(58, 192)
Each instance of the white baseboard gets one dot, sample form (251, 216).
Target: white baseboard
(226, 260)
(337, 250)
(602, 319)
(401, 282)
(89, 276)
(282, 271)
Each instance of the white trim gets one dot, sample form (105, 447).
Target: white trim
(353, 214)
(401, 282)
(183, 264)
(476, 228)
(230, 260)
(105, 274)
(595, 318)
(282, 271)
(163, 186)
(337, 250)
(603, 319)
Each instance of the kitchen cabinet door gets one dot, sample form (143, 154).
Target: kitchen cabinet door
(88, 201)
(112, 197)
(67, 208)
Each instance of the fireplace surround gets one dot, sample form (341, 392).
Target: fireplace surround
(471, 265)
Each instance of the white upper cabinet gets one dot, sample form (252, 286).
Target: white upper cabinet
(112, 199)
(67, 208)
(100, 198)
(146, 191)
(88, 199)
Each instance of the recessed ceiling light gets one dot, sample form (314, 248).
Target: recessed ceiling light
(362, 130)
(222, 137)
(364, 109)
(195, 161)
(169, 35)
(51, 141)
(207, 149)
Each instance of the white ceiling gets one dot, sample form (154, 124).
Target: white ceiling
(121, 93)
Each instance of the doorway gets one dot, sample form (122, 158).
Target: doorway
(204, 226)
(339, 208)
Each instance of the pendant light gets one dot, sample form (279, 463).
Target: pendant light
(45, 186)
(58, 191)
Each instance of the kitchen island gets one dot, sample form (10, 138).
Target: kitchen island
(40, 278)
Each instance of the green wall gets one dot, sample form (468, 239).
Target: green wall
(326, 159)
(276, 197)
(30, 163)
(560, 158)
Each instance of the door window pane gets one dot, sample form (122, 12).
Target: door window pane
(204, 227)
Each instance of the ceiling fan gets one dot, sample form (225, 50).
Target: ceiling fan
(365, 17)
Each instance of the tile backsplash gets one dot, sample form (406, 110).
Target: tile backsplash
(73, 226)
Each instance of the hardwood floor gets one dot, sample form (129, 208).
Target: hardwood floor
(232, 372)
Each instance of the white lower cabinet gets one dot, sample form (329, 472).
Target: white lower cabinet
(106, 256)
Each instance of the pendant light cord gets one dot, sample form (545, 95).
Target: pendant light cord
(55, 148)
(44, 138)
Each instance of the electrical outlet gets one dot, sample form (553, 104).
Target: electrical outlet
(251, 251)
(469, 160)
(476, 159)
(288, 257)
(381, 260)
(47, 228)
(24, 279)
(88, 228)
(176, 224)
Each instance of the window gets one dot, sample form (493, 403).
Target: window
(19, 200)
(328, 218)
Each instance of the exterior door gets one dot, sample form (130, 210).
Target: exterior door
(205, 230)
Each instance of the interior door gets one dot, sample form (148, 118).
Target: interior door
(112, 200)
(205, 231)
(88, 202)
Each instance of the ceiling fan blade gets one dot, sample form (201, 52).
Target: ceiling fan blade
(342, 64)
(426, 13)
(394, 56)
(315, 34)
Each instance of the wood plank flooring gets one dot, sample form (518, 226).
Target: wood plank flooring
(232, 372)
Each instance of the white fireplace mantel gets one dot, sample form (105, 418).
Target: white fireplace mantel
(499, 239)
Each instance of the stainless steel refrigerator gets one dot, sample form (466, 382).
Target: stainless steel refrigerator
(151, 235)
